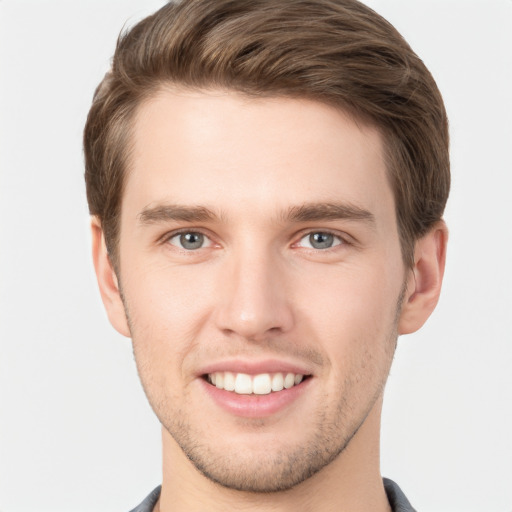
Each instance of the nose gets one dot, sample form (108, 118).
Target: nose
(253, 300)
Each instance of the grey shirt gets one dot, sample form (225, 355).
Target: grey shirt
(397, 499)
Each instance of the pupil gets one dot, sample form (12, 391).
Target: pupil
(191, 240)
(321, 240)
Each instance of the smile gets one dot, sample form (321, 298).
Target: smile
(260, 384)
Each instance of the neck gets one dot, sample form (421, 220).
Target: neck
(352, 482)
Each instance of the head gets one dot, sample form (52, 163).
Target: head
(267, 181)
(340, 53)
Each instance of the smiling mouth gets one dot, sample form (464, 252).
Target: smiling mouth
(261, 384)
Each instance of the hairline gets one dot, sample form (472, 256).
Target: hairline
(160, 87)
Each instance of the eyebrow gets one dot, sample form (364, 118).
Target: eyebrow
(169, 212)
(307, 212)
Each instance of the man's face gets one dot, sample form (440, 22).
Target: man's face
(258, 239)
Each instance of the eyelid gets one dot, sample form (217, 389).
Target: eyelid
(167, 237)
(344, 238)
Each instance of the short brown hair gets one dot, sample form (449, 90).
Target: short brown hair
(338, 52)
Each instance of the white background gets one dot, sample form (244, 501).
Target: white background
(76, 433)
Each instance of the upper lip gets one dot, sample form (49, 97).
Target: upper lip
(255, 367)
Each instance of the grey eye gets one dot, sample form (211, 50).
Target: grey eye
(320, 240)
(189, 241)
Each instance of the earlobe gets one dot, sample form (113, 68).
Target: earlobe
(425, 279)
(107, 280)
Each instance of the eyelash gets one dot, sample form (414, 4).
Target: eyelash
(341, 239)
(166, 239)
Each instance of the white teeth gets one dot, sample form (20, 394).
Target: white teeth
(289, 380)
(243, 384)
(261, 384)
(229, 381)
(277, 382)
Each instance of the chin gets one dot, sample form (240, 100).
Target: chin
(262, 468)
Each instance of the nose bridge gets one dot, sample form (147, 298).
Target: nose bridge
(253, 299)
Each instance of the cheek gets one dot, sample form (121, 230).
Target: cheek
(353, 316)
(167, 298)
(167, 309)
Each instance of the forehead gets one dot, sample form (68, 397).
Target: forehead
(219, 148)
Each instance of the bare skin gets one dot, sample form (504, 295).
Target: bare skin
(259, 237)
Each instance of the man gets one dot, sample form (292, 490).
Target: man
(266, 182)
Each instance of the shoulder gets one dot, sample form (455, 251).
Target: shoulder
(149, 502)
(396, 498)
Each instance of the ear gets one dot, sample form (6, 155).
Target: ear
(107, 280)
(424, 279)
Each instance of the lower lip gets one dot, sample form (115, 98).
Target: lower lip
(255, 406)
